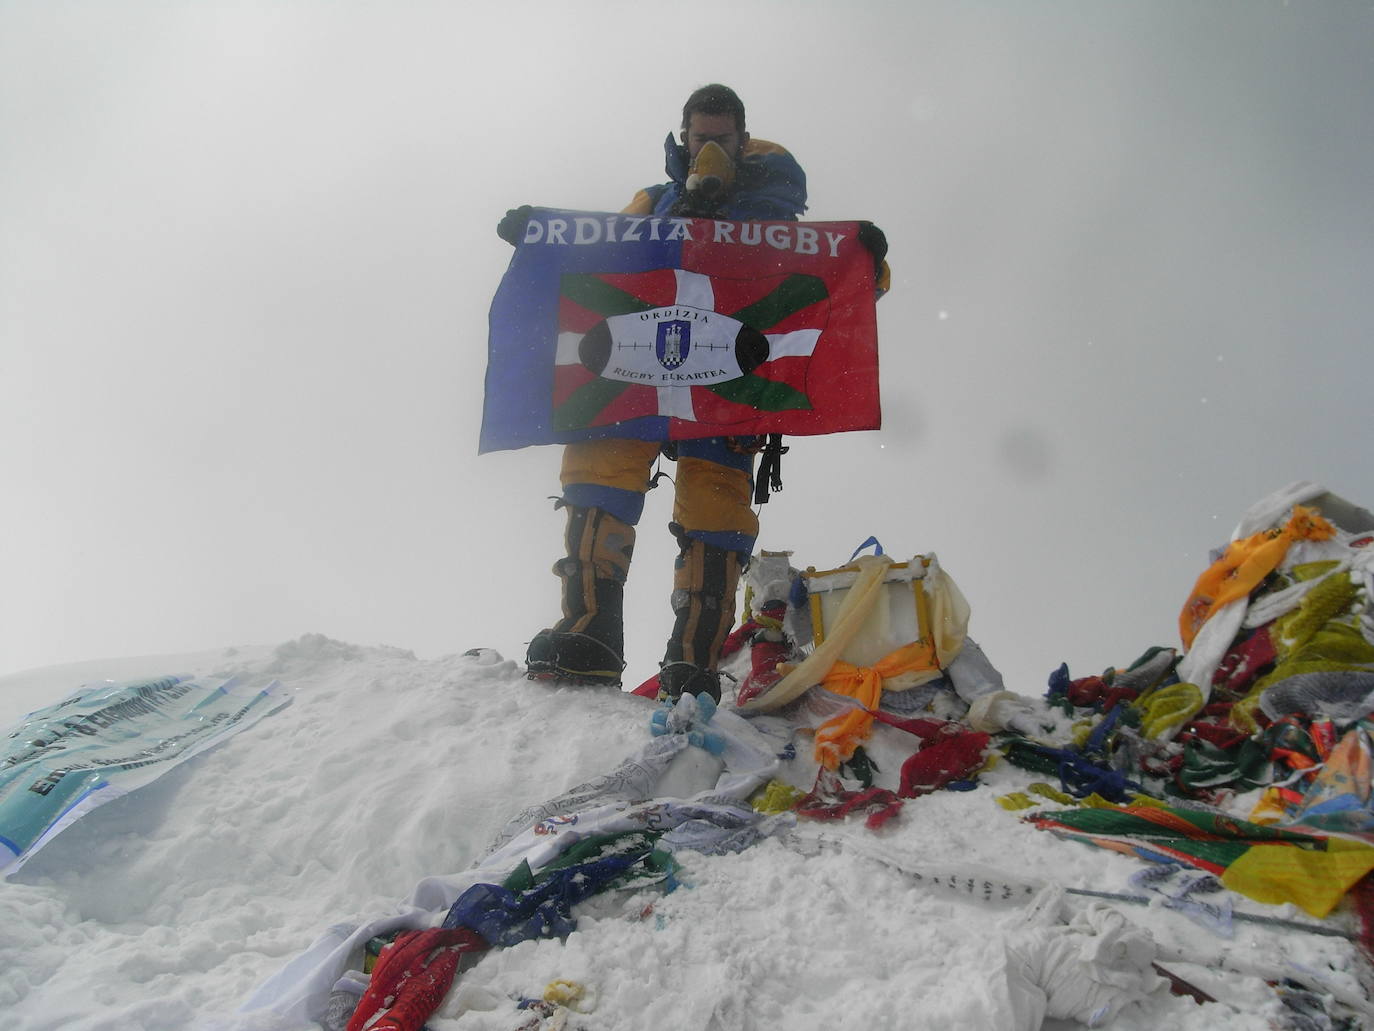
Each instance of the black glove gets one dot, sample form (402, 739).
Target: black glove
(512, 227)
(875, 240)
(698, 204)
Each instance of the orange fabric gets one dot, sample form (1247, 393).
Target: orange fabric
(713, 497)
(1243, 565)
(756, 146)
(837, 738)
(612, 461)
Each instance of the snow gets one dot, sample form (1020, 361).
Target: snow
(168, 908)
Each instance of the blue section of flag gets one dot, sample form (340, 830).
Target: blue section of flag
(523, 336)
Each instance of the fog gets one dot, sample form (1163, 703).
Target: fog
(247, 250)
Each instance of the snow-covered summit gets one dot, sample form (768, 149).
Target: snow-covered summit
(167, 909)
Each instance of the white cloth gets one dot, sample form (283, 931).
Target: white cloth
(1219, 632)
(1269, 511)
(1269, 607)
(998, 711)
(300, 991)
(1364, 572)
(1210, 646)
(972, 674)
(628, 799)
(1087, 970)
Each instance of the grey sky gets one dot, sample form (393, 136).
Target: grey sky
(246, 254)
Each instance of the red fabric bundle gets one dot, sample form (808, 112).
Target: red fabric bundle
(933, 767)
(738, 638)
(1117, 695)
(923, 727)
(414, 974)
(1087, 691)
(830, 800)
(1243, 663)
(1223, 737)
(764, 657)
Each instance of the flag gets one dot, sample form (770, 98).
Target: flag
(664, 328)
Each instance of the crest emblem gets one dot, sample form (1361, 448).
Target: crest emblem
(673, 342)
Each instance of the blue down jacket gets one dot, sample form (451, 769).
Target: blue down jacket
(771, 186)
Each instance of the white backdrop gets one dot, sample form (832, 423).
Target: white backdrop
(246, 253)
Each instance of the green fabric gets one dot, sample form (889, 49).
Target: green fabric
(860, 767)
(520, 879)
(586, 402)
(1248, 765)
(598, 846)
(654, 866)
(595, 294)
(1204, 839)
(1149, 654)
(1061, 703)
(1207, 766)
(1026, 755)
(791, 296)
(764, 394)
(1336, 648)
(1312, 570)
(1326, 601)
(1293, 734)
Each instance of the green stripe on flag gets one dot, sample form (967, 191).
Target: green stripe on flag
(586, 403)
(765, 395)
(595, 294)
(795, 293)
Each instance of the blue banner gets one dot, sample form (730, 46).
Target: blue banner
(106, 740)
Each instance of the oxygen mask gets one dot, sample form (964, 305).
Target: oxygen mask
(712, 172)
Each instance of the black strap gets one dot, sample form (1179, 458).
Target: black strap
(769, 478)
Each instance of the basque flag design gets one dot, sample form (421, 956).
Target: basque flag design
(671, 328)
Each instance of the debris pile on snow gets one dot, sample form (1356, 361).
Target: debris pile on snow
(444, 843)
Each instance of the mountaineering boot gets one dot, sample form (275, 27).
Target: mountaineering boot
(587, 644)
(705, 578)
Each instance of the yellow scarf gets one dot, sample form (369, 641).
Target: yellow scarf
(1243, 565)
(837, 738)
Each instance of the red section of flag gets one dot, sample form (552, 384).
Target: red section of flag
(712, 408)
(658, 287)
(567, 378)
(806, 318)
(840, 377)
(767, 274)
(709, 406)
(573, 318)
(791, 370)
(734, 295)
(634, 403)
